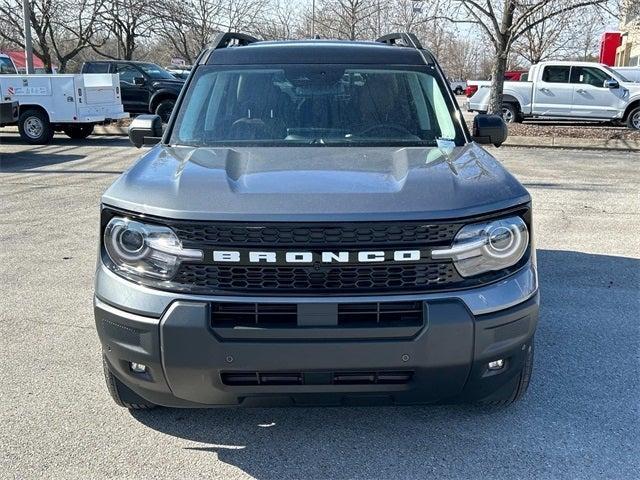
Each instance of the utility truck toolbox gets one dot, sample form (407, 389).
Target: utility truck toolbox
(316, 225)
(69, 103)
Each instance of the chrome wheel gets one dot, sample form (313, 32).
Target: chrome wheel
(635, 120)
(33, 127)
(507, 115)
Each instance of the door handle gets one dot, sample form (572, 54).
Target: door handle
(581, 90)
(544, 89)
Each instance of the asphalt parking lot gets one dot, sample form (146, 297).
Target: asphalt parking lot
(580, 418)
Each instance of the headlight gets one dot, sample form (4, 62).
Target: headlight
(483, 247)
(142, 250)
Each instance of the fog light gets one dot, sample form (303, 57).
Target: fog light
(496, 364)
(137, 367)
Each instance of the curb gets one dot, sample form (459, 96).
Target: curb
(110, 130)
(574, 143)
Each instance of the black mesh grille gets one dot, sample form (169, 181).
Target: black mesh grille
(305, 234)
(263, 279)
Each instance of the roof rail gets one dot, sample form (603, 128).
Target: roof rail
(225, 40)
(408, 39)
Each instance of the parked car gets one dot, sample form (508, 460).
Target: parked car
(630, 74)
(7, 67)
(567, 90)
(146, 87)
(180, 72)
(9, 111)
(458, 86)
(516, 75)
(316, 232)
(72, 103)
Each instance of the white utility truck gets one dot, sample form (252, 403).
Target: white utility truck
(566, 90)
(71, 103)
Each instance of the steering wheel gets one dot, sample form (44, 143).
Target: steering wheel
(386, 126)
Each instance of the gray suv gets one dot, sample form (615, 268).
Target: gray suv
(316, 225)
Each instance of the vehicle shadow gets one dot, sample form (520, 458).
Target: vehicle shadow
(580, 414)
(61, 150)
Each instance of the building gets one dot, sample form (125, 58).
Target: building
(628, 53)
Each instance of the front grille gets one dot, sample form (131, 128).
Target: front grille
(285, 315)
(302, 235)
(317, 378)
(344, 279)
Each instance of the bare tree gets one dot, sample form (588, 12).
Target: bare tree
(124, 22)
(58, 36)
(505, 21)
(347, 19)
(188, 26)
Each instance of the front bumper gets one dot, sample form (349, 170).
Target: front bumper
(187, 358)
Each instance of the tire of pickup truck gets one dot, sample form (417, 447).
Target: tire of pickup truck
(511, 113)
(633, 120)
(78, 132)
(123, 395)
(164, 109)
(520, 387)
(34, 127)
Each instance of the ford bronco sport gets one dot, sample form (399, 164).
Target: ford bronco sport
(316, 225)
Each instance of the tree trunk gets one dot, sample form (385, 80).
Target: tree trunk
(497, 82)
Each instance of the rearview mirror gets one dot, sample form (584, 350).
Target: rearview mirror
(145, 130)
(611, 83)
(138, 81)
(489, 129)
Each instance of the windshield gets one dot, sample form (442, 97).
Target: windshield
(313, 105)
(155, 72)
(6, 67)
(615, 73)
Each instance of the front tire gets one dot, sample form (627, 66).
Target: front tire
(121, 394)
(164, 109)
(78, 132)
(34, 127)
(510, 113)
(633, 120)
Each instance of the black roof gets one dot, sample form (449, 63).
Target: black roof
(316, 51)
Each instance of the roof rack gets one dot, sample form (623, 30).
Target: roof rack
(226, 40)
(408, 39)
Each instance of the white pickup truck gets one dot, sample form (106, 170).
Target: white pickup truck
(566, 90)
(71, 103)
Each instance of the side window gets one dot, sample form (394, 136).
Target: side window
(589, 76)
(556, 74)
(127, 72)
(6, 67)
(97, 68)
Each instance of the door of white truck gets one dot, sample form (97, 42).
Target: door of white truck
(591, 98)
(553, 93)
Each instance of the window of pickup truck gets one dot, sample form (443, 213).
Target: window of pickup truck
(589, 76)
(556, 74)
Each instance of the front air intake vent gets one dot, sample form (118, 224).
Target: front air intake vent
(387, 314)
(264, 315)
(312, 378)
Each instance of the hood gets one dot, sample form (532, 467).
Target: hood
(315, 184)
(164, 83)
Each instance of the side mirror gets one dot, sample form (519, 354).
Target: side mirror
(489, 129)
(611, 83)
(139, 81)
(145, 130)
